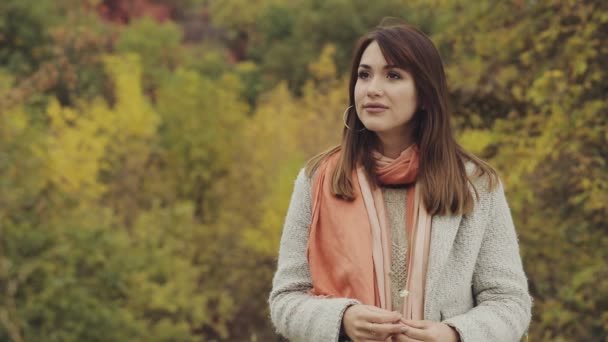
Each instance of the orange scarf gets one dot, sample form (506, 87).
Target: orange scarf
(349, 242)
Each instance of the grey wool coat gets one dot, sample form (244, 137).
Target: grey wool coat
(475, 279)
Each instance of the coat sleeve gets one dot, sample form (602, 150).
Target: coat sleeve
(500, 288)
(294, 313)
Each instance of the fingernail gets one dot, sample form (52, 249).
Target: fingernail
(404, 329)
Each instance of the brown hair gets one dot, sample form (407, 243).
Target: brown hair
(442, 175)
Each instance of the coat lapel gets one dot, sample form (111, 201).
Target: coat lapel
(443, 233)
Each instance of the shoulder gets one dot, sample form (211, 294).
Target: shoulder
(483, 179)
(321, 161)
(304, 179)
(486, 187)
(303, 183)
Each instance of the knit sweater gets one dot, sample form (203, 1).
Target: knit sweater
(394, 201)
(475, 279)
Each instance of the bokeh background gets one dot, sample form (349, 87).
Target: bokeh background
(148, 150)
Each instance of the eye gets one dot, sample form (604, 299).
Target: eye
(363, 74)
(393, 75)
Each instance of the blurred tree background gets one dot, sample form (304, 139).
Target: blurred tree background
(148, 150)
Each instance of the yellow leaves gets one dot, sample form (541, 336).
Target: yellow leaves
(528, 77)
(265, 237)
(229, 86)
(270, 136)
(74, 155)
(275, 118)
(247, 67)
(132, 115)
(22, 171)
(476, 141)
(324, 68)
(292, 130)
(593, 195)
(6, 79)
(466, 74)
(179, 274)
(13, 122)
(201, 129)
(527, 58)
(83, 142)
(551, 82)
(602, 16)
(518, 92)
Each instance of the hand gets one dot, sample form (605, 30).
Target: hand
(370, 323)
(427, 331)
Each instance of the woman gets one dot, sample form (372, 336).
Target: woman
(398, 234)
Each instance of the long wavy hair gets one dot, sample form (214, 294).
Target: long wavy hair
(442, 175)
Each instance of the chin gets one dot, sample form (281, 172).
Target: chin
(373, 126)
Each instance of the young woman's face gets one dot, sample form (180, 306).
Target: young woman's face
(385, 96)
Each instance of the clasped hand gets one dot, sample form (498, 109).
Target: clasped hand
(364, 323)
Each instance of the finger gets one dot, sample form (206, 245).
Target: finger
(379, 331)
(404, 338)
(377, 315)
(418, 334)
(375, 308)
(386, 329)
(365, 331)
(419, 324)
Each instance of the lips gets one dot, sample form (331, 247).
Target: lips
(374, 107)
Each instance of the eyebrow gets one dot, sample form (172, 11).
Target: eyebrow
(365, 66)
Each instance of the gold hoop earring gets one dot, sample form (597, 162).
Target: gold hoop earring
(344, 119)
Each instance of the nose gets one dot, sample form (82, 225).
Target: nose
(374, 87)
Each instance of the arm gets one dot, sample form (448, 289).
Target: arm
(500, 288)
(296, 314)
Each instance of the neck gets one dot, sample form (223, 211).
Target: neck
(393, 144)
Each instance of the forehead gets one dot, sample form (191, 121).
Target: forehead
(372, 55)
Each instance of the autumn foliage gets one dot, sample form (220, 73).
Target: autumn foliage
(148, 151)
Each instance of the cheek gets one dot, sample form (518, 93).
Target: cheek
(407, 96)
(359, 91)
